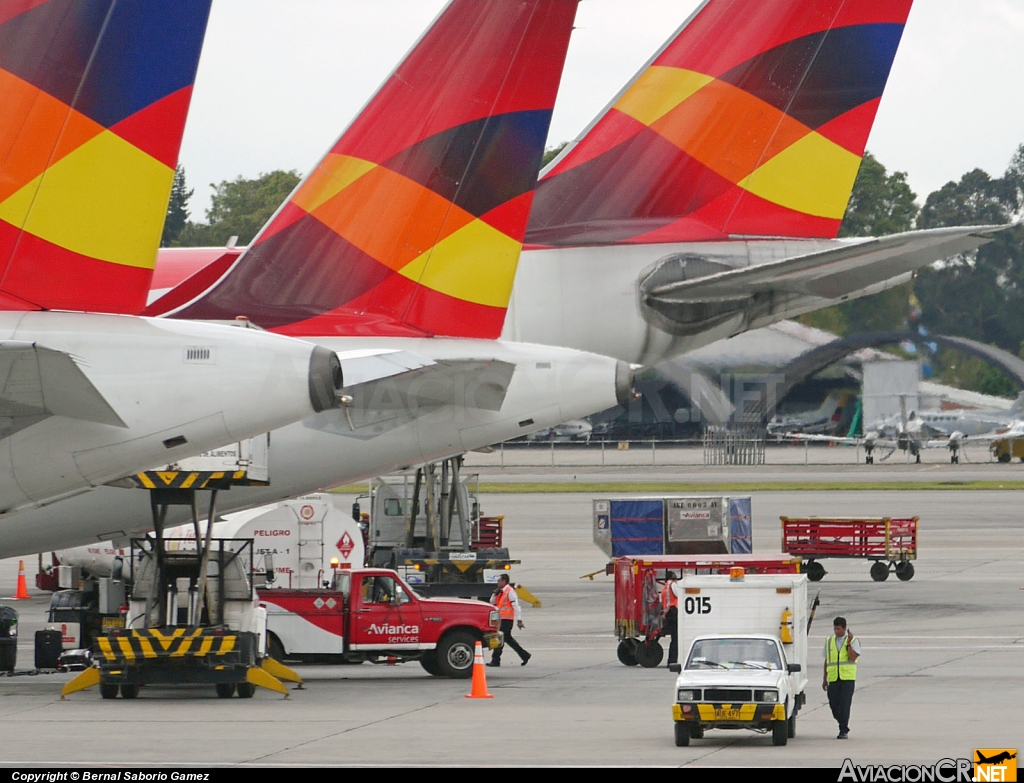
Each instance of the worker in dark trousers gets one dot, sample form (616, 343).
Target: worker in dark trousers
(670, 623)
(507, 601)
(841, 653)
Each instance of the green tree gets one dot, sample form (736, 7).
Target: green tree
(240, 208)
(978, 294)
(551, 153)
(177, 209)
(881, 203)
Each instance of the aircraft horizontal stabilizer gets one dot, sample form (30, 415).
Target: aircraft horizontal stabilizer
(839, 272)
(465, 383)
(36, 382)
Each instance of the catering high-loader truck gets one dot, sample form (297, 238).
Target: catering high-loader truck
(745, 665)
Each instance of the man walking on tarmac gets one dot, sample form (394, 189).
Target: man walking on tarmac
(669, 607)
(507, 601)
(841, 653)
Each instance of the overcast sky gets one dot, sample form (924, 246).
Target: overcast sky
(280, 79)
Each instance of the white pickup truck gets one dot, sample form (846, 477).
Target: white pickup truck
(746, 660)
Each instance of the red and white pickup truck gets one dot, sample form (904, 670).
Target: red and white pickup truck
(372, 615)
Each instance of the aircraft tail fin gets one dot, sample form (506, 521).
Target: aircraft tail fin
(95, 98)
(752, 120)
(413, 222)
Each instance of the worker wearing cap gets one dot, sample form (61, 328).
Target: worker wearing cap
(507, 601)
(670, 609)
(841, 653)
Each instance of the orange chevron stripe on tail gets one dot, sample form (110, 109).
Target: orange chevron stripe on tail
(95, 95)
(412, 224)
(752, 120)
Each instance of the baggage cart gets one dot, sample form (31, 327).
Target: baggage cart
(638, 584)
(889, 542)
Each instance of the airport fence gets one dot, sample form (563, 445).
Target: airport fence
(685, 452)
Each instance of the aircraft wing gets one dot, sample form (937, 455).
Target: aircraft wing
(36, 382)
(837, 272)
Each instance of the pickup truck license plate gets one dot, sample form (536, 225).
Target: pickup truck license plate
(727, 714)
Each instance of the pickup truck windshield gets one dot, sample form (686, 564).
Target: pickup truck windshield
(734, 654)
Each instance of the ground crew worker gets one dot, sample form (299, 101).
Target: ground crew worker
(841, 653)
(670, 608)
(507, 601)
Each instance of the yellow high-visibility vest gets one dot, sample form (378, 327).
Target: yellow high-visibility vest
(840, 667)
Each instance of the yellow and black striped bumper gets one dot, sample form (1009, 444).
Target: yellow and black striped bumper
(703, 712)
(150, 644)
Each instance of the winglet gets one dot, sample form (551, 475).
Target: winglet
(412, 224)
(95, 95)
(752, 120)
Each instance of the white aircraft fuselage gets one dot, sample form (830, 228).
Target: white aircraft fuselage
(547, 386)
(86, 399)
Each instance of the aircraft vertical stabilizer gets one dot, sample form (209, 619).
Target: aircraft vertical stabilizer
(412, 224)
(752, 120)
(95, 95)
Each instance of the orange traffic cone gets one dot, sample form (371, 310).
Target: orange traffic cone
(21, 593)
(479, 689)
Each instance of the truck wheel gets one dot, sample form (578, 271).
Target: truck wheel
(429, 664)
(905, 571)
(697, 731)
(815, 571)
(225, 690)
(455, 655)
(246, 690)
(791, 727)
(879, 571)
(682, 734)
(627, 652)
(129, 691)
(649, 655)
(780, 732)
(108, 690)
(275, 649)
(1005, 457)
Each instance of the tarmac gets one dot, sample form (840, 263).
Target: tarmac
(941, 673)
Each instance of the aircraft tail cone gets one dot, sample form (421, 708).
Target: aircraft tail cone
(21, 594)
(479, 689)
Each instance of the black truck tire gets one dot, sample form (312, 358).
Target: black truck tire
(879, 571)
(225, 690)
(246, 690)
(275, 649)
(108, 690)
(682, 734)
(780, 732)
(455, 653)
(429, 664)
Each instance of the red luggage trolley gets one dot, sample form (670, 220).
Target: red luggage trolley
(638, 583)
(888, 541)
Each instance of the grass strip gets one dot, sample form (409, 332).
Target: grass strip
(624, 487)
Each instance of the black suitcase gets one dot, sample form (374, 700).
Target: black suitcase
(8, 653)
(48, 649)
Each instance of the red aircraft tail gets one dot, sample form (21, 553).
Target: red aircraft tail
(412, 224)
(95, 95)
(752, 120)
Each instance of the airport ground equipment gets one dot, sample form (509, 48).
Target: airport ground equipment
(674, 525)
(638, 584)
(745, 665)
(371, 614)
(192, 617)
(1007, 449)
(430, 530)
(889, 542)
(8, 639)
